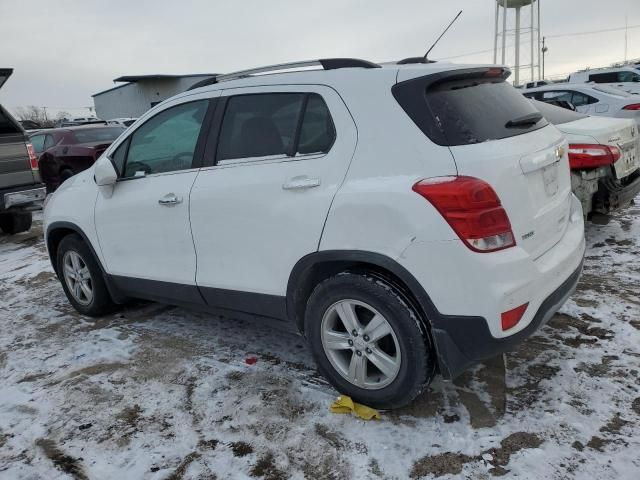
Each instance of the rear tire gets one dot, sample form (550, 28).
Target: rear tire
(65, 174)
(403, 348)
(15, 222)
(81, 278)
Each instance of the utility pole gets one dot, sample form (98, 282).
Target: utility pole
(626, 36)
(544, 51)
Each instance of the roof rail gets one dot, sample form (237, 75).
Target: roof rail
(325, 63)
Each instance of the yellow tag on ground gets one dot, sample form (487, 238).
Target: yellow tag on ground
(344, 404)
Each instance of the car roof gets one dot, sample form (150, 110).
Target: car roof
(590, 87)
(386, 73)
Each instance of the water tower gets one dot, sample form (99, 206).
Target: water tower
(518, 21)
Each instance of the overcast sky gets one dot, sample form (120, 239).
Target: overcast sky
(63, 51)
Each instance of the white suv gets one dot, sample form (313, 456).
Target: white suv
(408, 219)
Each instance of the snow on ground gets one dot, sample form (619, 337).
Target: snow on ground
(158, 392)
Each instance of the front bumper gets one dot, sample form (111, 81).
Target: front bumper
(17, 197)
(464, 341)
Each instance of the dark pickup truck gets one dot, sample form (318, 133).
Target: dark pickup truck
(21, 190)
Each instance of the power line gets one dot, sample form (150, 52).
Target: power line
(560, 35)
(574, 34)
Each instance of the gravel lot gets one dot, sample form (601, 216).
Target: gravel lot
(161, 392)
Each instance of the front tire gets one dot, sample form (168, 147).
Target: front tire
(15, 222)
(81, 278)
(368, 341)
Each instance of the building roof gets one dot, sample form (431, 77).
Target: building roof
(129, 79)
(159, 76)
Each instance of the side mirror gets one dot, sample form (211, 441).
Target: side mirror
(104, 172)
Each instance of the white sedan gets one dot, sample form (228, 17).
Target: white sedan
(604, 157)
(598, 100)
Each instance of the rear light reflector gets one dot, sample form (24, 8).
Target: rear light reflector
(633, 106)
(592, 156)
(33, 158)
(472, 209)
(511, 318)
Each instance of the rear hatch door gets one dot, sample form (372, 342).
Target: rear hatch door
(495, 134)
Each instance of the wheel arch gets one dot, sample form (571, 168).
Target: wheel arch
(56, 231)
(315, 267)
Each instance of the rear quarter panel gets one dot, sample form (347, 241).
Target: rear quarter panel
(375, 209)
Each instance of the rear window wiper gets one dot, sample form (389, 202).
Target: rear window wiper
(524, 121)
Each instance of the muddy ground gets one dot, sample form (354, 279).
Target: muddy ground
(161, 392)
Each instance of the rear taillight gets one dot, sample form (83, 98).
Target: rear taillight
(511, 318)
(591, 156)
(472, 209)
(633, 106)
(33, 158)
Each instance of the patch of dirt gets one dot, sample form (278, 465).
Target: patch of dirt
(178, 473)
(64, 462)
(266, 468)
(208, 444)
(92, 370)
(513, 444)
(614, 425)
(33, 377)
(597, 443)
(439, 465)
(241, 449)
(374, 468)
(336, 440)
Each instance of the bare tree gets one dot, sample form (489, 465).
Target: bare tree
(35, 114)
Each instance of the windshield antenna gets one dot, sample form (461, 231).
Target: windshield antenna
(426, 60)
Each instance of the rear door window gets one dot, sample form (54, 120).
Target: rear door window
(471, 110)
(259, 125)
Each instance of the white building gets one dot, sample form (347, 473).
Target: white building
(141, 92)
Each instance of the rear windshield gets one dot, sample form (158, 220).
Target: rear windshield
(91, 135)
(479, 110)
(466, 107)
(557, 115)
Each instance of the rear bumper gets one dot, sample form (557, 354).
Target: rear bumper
(613, 195)
(464, 341)
(21, 196)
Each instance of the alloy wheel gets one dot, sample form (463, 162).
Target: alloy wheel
(360, 344)
(77, 277)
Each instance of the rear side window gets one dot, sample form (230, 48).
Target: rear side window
(317, 132)
(275, 124)
(469, 110)
(610, 77)
(38, 143)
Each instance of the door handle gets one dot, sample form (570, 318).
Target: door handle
(300, 183)
(170, 199)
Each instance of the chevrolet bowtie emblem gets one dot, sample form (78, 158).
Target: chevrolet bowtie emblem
(559, 153)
